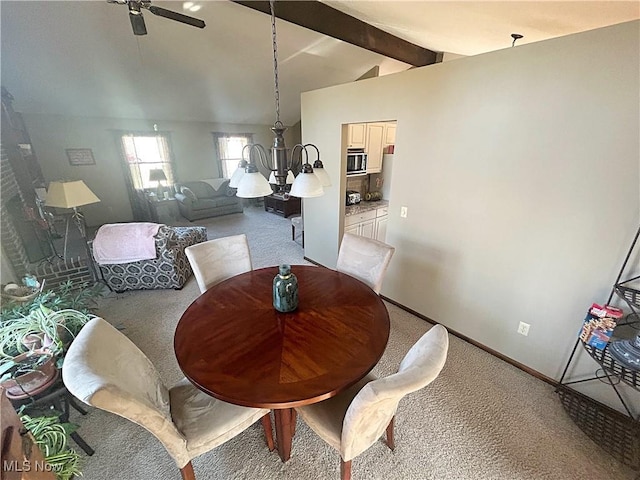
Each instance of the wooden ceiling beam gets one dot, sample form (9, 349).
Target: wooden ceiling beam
(326, 20)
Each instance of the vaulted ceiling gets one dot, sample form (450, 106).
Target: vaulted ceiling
(82, 59)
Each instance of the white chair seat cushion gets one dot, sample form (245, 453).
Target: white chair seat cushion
(207, 422)
(326, 417)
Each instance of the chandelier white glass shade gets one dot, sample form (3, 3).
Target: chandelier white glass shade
(253, 184)
(290, 178)
(238, 173)
(279, 163)
(321, 173)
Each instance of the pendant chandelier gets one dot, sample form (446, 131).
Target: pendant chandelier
(248, 179)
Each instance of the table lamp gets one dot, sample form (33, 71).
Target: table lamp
(72, 195)
(157, 175)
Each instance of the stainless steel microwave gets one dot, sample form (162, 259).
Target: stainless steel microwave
(356, 161)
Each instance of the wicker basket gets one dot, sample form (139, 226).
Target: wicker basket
(21, 294)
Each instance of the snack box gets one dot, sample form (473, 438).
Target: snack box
(598, 325)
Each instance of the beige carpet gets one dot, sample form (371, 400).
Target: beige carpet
(480, 419)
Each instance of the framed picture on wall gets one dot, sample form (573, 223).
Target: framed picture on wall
(80, 156)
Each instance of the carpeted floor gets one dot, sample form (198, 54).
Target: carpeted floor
(480, 419)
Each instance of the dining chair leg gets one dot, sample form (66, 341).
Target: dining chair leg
(187, 472)
(268, 431)
(345, 470)
(390, 440)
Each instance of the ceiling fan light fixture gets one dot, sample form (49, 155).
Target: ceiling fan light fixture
(137, 19)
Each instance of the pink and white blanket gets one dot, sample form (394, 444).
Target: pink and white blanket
(125, 242)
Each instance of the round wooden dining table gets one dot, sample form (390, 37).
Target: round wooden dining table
(232, 344)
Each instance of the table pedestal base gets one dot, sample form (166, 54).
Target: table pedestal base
(285, 428)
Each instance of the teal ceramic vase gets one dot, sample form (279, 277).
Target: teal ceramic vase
(285, 290)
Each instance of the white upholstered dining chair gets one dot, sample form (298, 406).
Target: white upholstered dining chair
(105, 369)
(365, 259)
(216, 260)
(353, 420)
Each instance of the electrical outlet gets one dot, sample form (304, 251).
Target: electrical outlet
(523, 329)
(403, 212)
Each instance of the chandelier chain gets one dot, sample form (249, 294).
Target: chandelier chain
(275, 59)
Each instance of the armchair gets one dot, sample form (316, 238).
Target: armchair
(170, 268)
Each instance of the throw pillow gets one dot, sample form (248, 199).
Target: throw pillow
(231, 192)
(187, 192)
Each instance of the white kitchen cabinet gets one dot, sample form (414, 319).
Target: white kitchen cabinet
(380, 232)
(362, 224)
(357, 135)
(369, 224)
(367, 228)
(354, 229)
(389, 134)
(375, 137)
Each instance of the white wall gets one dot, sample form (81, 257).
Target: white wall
(193, 147)
(7, 274)
(521, 173)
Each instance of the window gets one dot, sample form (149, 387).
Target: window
(229, 148)
(146, 152)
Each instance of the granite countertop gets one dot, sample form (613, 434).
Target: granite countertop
(364, 207)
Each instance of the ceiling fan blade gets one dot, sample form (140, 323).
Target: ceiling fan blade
(162, 12)
(137, 23)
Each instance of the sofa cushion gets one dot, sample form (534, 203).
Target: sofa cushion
(204, 203)
(201, 189)
(223, 201)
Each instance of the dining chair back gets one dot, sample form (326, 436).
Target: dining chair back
(216, 260)
(105, 369)
(365, 259)
(353, 420)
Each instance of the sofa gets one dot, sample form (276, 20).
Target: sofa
(170, 268)
(207, 198)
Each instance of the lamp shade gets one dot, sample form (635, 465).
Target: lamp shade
(157, 175)
(69, 195)
(236, 177)
(322, 175)
(306, 185)
(289, 181)
(253, 185)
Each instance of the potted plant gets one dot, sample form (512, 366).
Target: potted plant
(34, 337)
(27, 374)
(52, 438)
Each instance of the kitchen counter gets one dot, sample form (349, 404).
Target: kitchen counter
(364, 207)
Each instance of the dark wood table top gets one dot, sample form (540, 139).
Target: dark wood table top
(232, 344)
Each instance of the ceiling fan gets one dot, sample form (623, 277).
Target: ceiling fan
(137, 21)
